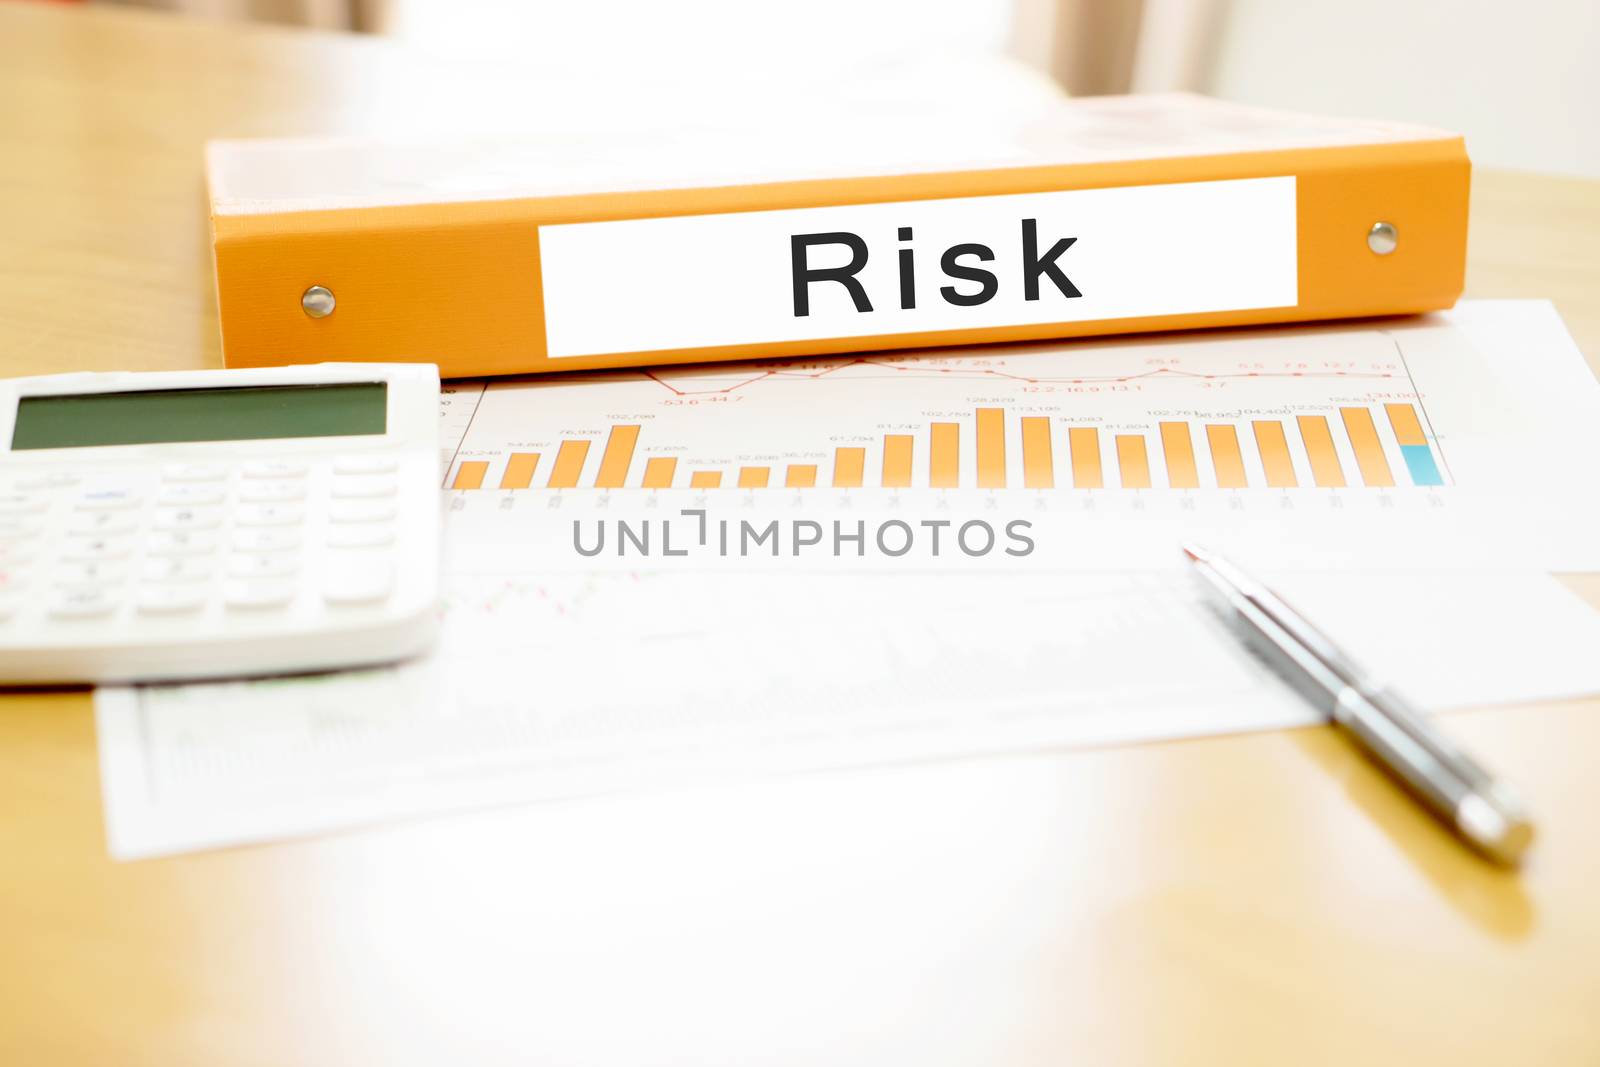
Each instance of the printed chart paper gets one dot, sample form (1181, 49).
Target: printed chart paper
(1451, 441)
(558, 676)
(573, 685)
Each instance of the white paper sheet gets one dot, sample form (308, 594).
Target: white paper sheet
(1505, 413)
(563, 676)
(573, 685)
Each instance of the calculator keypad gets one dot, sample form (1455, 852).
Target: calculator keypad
(153, 542)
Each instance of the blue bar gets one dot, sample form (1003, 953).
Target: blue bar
(1419, 460)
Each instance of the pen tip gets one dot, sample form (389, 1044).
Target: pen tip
(1194, 552)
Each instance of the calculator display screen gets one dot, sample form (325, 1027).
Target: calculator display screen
(240, 413)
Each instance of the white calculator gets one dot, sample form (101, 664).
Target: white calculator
(216, 523)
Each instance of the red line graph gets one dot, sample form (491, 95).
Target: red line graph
(661, 378)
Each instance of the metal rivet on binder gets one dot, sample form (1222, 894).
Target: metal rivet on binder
(318, 302)
(1381, 238)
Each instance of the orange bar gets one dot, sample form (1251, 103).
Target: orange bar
(1369, 453)
(801, 476)
(1407, 430)
(1225, 457)
(1325, 469)
(944, 455)
(1084, 441)
(896, 460)
(617, 458)
(848, 465)
(991, 448)
(705, 479)
(1133, 461)
(519, 470)
(1274, 449)
(470, 474)
(1414, 449)
(753, 477)
(569, 464)
(1038, 465)
(1178, 448)
(659, 471)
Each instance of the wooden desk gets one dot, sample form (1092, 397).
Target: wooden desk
(1264, 899)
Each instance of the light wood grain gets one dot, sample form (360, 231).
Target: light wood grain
(1532, 236)
(1265, 899)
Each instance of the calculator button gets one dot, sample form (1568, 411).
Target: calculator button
(257, 593)
(170, 599)
(108, 500)
(103, 522)
(91, 549)
(267, 515)
(360, 511)
(47, 481)
(16, 548)
(83, 604)
(178, 496)
(364, 465)
(265, 492)
(176, 569)
(180, 543)
(273, 565)
(22, 504)
(367, 535)
(13, 555)
(358, 582)
(275, 468)
(87, 575)
(193, 472)
(265, 540)
(351, 488)
(187, 519)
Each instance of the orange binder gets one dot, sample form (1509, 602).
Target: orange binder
(1093, 216)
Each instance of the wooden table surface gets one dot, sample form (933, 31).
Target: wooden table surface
(1260, 899)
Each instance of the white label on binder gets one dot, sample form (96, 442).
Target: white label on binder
(866, 270)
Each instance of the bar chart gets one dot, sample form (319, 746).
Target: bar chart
(1334, 411)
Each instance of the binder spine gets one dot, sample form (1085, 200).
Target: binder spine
(462, 284)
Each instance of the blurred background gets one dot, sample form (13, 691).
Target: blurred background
(1519, 80)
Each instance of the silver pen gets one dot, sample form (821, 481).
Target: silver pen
(1485, 812)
